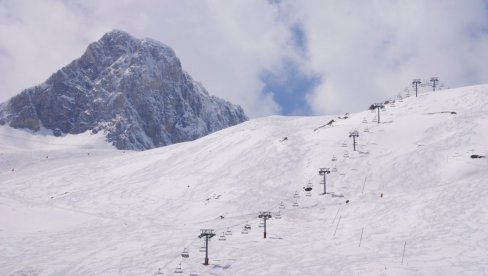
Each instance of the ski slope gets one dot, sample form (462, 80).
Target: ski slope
(75, 206)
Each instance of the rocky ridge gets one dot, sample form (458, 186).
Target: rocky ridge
(134, 90)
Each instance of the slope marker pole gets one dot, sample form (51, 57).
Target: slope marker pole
(364, 184)
(404, 245)
(361, 239)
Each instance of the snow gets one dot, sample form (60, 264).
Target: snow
(73, 205)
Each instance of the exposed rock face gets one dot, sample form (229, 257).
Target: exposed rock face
(132, 89)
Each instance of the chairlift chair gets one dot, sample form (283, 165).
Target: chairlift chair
(383, 108)
(222, 237)
(282, 206)
(244, 231)
(228, 232)
(365, 121)
(247, 226)
(344, 144)
(346, 154)
(308, 194)
(334, 169)
(185, 253)
(277, 215)
(366, 129)
(203, 247)
(295, 204)
(296, 195)
(261, 224)
(334, 158)
(375, 120)
(179, 269)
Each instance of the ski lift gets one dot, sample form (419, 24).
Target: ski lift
(203, 247)
(366, 129)
(375, 120)
(178, 269)
(334, 169)
(344, 144)
(261, 224)
(282, 205)
(228, 232)
(222, 237)
(308, 194)
(277, 215)
(295, 204)
(334, 158)
(296, 195)
(346, 154)
(185, 253)
(365, 121)
(244, 231)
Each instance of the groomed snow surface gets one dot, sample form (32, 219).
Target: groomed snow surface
(74, 206)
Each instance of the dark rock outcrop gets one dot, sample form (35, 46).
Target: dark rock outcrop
(134, 90)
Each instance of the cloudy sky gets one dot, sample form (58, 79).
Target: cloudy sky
(307, 57)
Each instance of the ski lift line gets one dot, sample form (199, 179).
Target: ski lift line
(314, 176)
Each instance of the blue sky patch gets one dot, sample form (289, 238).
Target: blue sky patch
(289, 88)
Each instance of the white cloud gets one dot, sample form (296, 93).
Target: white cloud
(370, 50)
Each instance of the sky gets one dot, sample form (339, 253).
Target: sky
(285, 57)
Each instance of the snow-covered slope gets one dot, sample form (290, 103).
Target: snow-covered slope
(90, 211)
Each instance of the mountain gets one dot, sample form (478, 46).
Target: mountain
(133, 90)
(416, 199)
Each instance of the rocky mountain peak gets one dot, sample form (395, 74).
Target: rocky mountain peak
(134, 90)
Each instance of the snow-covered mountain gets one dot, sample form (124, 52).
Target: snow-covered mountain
(416, 200)
(134, 90)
